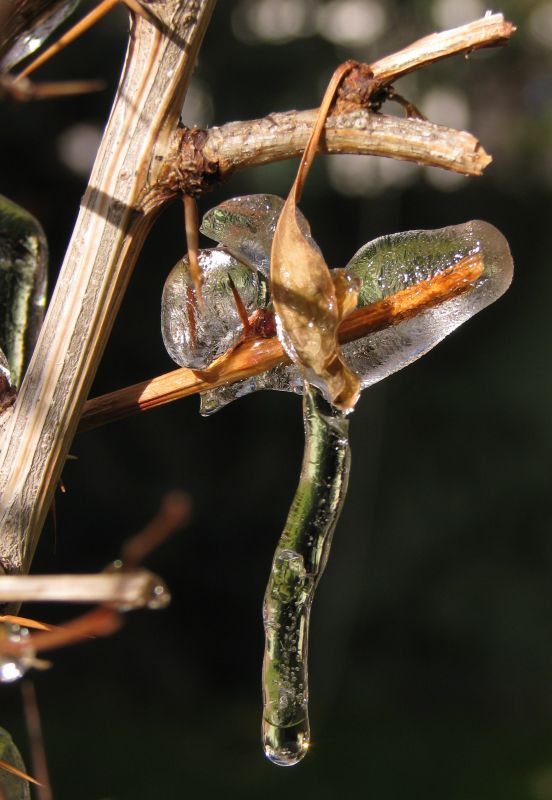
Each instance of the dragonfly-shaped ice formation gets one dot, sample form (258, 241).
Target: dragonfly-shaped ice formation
(384, 268)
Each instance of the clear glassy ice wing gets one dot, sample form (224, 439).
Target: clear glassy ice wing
(388, 265)
(195, 338)
(245, 227)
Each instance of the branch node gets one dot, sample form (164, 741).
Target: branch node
(186, 170)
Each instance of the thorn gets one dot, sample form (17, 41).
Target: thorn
(87, 22)
(190, 297)
(173, 514)
(47, 91)
(191, 224)
(14, 771)
(26, 622)
(410, 110)
(242, 311)
(53, 514)
(24, 90)
(36, 739)
(141, 10)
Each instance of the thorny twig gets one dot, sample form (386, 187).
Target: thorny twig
(123, 589)
(200, 158)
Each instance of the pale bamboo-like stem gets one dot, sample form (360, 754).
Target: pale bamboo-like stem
(107, 238)
(129, 589)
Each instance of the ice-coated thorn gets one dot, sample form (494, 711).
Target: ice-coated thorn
(13, 665)
(195, 338)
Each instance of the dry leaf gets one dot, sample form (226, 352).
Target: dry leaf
(307, 305)
(307, 309)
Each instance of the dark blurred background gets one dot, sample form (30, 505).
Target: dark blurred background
(431, 646)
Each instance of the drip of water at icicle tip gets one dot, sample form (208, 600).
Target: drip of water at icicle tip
(285, 727)
(286, 745)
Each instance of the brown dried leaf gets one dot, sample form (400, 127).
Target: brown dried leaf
(308, 308)
(308, 311)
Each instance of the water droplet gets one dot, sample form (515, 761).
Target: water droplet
(14, 665)
(160, 595)
(286, 745)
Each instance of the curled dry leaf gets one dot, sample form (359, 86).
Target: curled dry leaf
(308, 305)
(308, 312)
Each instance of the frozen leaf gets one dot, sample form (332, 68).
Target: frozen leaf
(27, 25)
(23, 261)
(195, 338)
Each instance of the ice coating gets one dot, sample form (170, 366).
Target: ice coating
(11, 786)
(23, 265)
(194, 338)
(28, 25)
(298, 563)
(245, 227)
(392, 263)
(12, 666)
(387, 265)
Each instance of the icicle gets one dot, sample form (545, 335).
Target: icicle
(298, 563)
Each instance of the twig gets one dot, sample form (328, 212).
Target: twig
(36, 740)
(173, 514)
(239, 145)
(256, 355)
(134, 589)
(199, 157)
(489, 31)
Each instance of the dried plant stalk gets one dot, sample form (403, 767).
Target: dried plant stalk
(107, 239)
(130, 589)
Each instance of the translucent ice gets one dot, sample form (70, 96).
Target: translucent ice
(194, 338)
(388, 265)
(11, 786)
(245, 227)
(14, 666)
(23, 261)
(392, 263)
(27, 25)
(298, 563)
